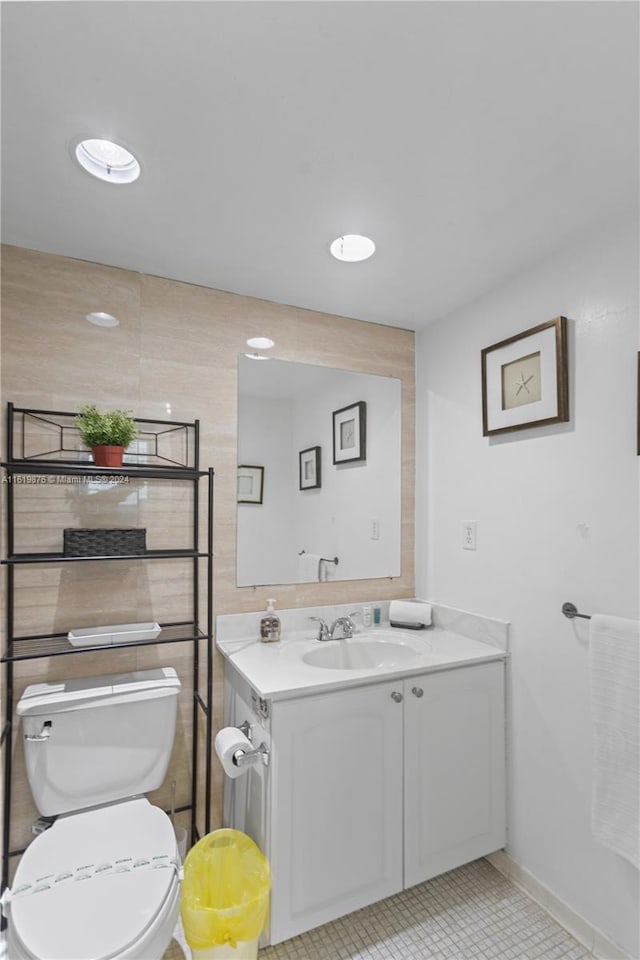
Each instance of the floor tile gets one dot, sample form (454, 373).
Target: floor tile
(472, 913)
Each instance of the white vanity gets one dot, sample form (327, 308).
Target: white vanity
(386, 756)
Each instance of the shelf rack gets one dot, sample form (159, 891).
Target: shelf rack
(45, 444)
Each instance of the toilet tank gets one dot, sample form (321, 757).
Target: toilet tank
(98, 739)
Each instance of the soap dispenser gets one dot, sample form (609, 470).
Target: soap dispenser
(270, 625)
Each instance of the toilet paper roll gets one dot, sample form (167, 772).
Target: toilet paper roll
(228, 741)
(414, 614)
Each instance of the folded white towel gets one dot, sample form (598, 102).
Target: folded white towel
(614, 663)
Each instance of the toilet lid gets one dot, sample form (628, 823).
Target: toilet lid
(101, 877)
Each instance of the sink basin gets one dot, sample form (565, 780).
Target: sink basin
(361, 655)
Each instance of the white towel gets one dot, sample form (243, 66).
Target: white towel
(614, 663)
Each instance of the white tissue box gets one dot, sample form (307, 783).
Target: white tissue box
(115, 633)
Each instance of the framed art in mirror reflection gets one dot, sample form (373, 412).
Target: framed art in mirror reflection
(250, 484)
(310, 469)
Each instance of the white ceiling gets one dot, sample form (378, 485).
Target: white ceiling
(468, 139)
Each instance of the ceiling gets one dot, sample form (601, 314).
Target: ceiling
(468, 139)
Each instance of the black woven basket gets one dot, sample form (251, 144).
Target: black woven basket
(81, 542)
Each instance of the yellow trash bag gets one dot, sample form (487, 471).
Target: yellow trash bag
(225, 891)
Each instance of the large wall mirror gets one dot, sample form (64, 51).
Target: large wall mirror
(319, 476)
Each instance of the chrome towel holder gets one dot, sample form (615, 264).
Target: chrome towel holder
(322, 559)
(571, 612)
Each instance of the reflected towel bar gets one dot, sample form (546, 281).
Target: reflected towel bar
(571, 611)
(322, 559)
(321, 569)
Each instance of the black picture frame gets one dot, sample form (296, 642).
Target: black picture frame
(310, 469)
(250, 483)
(350, 433)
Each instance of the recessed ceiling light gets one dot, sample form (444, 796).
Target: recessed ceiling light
(352, 247)
(102, 319)
(107, 161)
(260, 343)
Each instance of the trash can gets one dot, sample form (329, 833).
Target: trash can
(225, 896)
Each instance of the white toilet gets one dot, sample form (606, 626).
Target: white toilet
(102, 882)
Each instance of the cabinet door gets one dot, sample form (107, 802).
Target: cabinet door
(454, 803)
(336, 776)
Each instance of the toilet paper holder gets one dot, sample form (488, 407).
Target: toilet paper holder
(244, 758)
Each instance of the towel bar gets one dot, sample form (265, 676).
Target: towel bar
(322, 559)
(571, 611)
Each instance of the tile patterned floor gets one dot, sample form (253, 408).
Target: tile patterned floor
(472, 913)
(177, 949)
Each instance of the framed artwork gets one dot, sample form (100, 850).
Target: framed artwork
(250, 484)
(310, 470)
(350, 433)
(525, 380)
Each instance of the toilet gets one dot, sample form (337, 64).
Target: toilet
(102, 882)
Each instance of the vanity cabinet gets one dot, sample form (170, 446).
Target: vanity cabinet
(454, 769)
(378, 787)
(336, 811)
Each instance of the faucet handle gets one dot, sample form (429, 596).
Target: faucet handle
(323, 631)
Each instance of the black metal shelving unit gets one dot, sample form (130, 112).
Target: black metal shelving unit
(45, 444)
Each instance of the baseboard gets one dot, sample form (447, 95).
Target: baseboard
(579, 928)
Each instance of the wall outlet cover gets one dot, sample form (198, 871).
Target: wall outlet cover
(469, 534)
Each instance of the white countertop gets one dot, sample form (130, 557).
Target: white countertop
(277, 671)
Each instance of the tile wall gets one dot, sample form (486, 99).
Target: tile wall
(177, 344)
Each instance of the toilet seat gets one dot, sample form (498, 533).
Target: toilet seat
(110, 882)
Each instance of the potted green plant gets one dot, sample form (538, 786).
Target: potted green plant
(108, 434)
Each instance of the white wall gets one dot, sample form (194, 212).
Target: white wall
(557, 513)
(336, 520)
(266, 530)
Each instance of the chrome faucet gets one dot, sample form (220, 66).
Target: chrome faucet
(323, 630)
(344, 623)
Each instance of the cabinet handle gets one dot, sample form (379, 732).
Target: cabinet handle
(417, 691)
(397, 697)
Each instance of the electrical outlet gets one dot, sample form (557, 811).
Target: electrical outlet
(375, 528)
(469, 534)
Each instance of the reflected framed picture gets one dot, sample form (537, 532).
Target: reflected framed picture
(525, 380)
(310, 469)
(250, 484)
(350, 433)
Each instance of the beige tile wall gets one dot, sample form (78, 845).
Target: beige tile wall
(178, 344)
